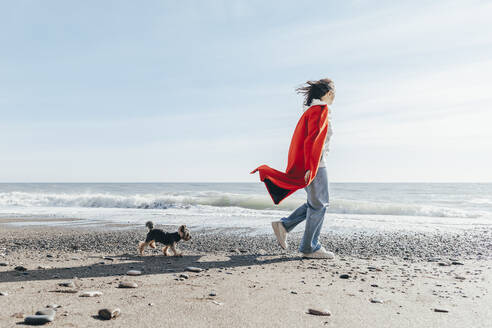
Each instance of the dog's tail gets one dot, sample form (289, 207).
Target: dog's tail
(149, 225)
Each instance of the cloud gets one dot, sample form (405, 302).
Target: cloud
(383, 33)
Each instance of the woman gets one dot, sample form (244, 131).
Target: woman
(306, 169)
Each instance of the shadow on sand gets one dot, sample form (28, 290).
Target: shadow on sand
(148, 265)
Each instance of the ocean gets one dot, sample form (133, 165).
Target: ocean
(247, 207)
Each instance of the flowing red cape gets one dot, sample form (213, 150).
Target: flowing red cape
(304, 154)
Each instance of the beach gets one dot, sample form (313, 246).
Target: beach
(384, 279)
(360, 130)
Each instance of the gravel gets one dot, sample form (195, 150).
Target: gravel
(416, 245)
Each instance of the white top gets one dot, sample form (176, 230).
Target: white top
(326, 147)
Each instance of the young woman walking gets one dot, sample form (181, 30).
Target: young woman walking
(306, 168)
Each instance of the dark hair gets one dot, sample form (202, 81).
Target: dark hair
(315, 90)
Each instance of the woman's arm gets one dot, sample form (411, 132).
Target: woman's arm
(315, 122)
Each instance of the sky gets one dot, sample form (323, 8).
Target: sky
(204, 91)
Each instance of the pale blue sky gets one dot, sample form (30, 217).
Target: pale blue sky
(204, 90)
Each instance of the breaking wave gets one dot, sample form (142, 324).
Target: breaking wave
(218, 199)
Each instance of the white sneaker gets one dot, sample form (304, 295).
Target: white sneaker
(321, 253)
(280, 233)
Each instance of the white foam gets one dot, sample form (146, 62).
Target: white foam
(480, 201)
(220, 209)
(206, 217)
(222, 202)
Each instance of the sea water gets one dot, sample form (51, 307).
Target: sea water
(247, 206)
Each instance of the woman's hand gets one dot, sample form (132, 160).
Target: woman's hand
(307, 176)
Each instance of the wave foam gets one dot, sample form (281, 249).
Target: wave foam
(219, 200)
(143, 201)
(480, 201)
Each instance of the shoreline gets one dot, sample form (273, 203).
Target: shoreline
(475, 244)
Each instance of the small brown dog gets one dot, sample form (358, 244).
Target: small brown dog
(167, 238)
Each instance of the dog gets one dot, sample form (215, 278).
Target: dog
(169, 239)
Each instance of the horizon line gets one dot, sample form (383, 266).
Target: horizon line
(183, 182)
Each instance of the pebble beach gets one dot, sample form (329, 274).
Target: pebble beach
(93, 277)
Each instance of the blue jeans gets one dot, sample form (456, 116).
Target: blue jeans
(313, 211)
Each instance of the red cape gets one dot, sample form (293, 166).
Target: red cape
(304, 154)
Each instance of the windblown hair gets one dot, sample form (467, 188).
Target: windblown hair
(315, 90)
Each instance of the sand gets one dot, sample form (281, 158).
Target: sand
(247, 281)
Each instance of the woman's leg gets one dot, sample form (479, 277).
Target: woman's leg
(295, 217)
(318, 200)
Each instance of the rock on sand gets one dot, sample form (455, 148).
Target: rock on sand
(108, 314)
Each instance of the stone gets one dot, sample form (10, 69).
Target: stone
(344, 276)
(20, 268)
(193, 269)
(91, 294)
(65, 291)
(134, 273)
(261, 251)
(4, 263)
(46, 312)
(460, 278)
(39, 319)
(184, 276)
(127, 284)
(53, 306)
(457, 263)
(444, 263)
(212, 294)
(319, 312)
(67, 284)
(4, 294)
(441, 310)
(373, 268)
(376, 300)
(109, 313)
(374, 285)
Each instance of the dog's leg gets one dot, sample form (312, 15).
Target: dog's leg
(152, 244)
(176, 253)
(141, 247)
(164, 250)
